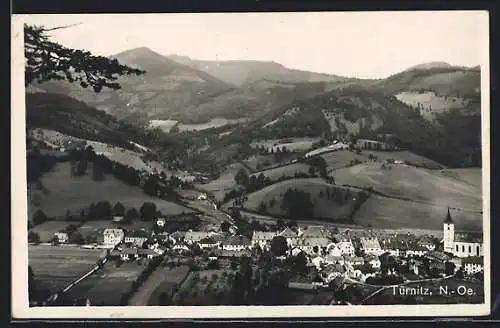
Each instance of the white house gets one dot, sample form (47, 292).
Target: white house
(473, 264)
(313, 245)
(417, 251)
(136, 237)
(346, 247)
(62, 237)
(263, 238)
(112, 237)
(208, 242)
(202, 197)
(160, 222)
(371, 245)
(290, 236)
(460, 244)
(374, 261)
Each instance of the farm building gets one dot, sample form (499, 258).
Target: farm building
(136, 237)
(236, 243)
(473, 264)
(62, 237)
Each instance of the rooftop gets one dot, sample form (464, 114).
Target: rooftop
(473, 260)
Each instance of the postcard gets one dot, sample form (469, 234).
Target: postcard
(250, 165)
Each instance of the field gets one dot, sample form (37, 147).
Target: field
(430, 103)
(261, 162)
(164, 280)
(47, 229)
(223, 184)
(287, 171)
(164, 125)
(107, 285)
(214, 123)
(407, 156)
(296, 144)
(114, 153)
(416, 184)
(340, 158)
(382, 212)
(76, 193)
(57, 266)
(207, 287)
(323, 207)
(471, 176)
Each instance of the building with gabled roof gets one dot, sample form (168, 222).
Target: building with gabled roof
(291, 236)
(263, 238)
(473, 264)
(136, 237)
(236, 243)
(371, 245)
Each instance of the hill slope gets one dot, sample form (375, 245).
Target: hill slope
(166, 89)
(240, 72)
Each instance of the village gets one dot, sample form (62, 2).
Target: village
(317, 258)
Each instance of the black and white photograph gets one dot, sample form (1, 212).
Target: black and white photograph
(301, 164)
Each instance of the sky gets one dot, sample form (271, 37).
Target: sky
(363, 44)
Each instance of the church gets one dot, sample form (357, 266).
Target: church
(460, 244)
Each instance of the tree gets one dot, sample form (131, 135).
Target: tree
(224, 226)
(39, 217)
(148, 211)
(81, 167)
(76, 238)
(262, 207)
(241, 177)
(163, 299)
(47, 60)
(97, 171)
(118, 209)
(279, 246)
(131, 215)
(33, 237)
(449, 268)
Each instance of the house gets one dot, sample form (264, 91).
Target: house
(160, 250)
(136, 237)
(426, 242)
(312, 232)
(331, 259)
(313, 245)
(372, 144)
(62, 237)
(371, 245)
(195, 236)
(180, 247)
(208, 242)
(202, 197)
(177, 237)
(290, 236)
(373, 261)
(113, 237)
(334, 250)
(318, 261)
(263, 239)
(473, 264)
(460, 244)
(345, 244)
(418, 250)
(161, 222)
(236, 243)
(437, 256)
(128, 254)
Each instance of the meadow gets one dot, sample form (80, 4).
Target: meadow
(411, 183)
(65, 192)
(163, 280)
(285, 171)
(322, 206)
(55, 267)
(295, 144)
(47, 229)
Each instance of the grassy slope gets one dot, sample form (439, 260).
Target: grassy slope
(323, 208)
(417, 184)
(427, 193)
(57, 267)
(76, 193)
(288, 171)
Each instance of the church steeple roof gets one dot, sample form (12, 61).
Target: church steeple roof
(448, 217)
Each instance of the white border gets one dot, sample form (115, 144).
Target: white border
(21, 310)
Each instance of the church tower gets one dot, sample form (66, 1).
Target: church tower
(448, 233)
